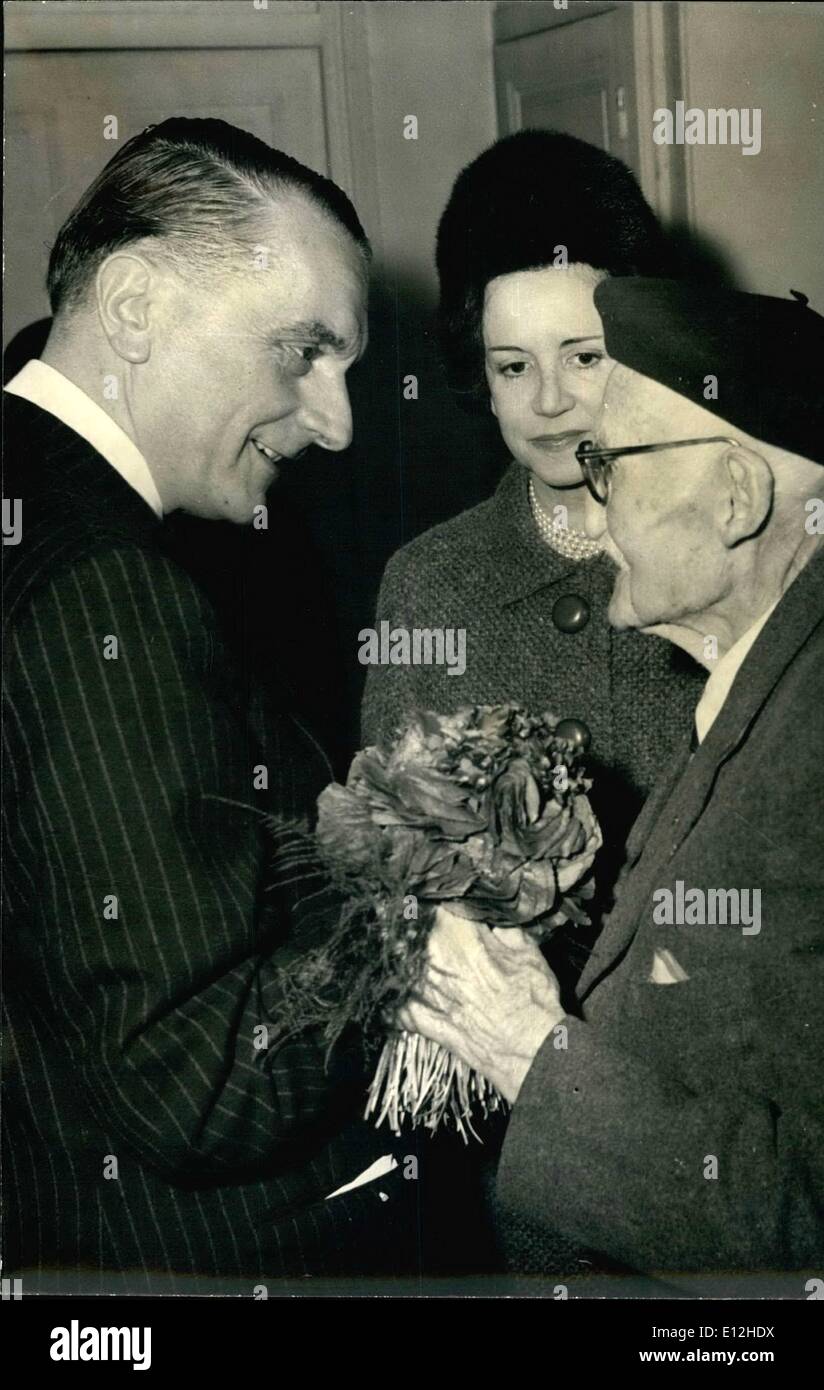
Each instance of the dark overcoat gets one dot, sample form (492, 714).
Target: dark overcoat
(682, 1126)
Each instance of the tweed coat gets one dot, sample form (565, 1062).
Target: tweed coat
(611, 1142)
(488, 571)
(145, 1128)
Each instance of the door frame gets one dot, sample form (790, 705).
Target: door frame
(656, 45)
(659, 82)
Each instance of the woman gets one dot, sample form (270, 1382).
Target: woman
(531, 227)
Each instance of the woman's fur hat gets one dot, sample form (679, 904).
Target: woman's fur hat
(514, 208)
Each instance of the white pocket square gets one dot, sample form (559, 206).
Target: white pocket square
(376, 1170)
(666, 970)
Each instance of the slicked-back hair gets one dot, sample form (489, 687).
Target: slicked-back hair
(200, 189)
(510, 210)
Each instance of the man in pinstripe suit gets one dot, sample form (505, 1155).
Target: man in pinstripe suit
(208, 297)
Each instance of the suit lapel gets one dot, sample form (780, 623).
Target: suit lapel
(69, 495)
(656, 801)
(791, 626)
(48, 463)
(620, 926)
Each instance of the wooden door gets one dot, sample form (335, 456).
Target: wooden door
(571, 70)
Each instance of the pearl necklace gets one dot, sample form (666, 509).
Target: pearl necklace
(573, 545)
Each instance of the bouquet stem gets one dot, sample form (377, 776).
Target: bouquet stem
(420, 1081)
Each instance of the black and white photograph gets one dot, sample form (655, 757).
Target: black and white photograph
(413, 669)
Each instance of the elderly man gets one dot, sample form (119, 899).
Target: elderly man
(209, 297)
(675, 1123)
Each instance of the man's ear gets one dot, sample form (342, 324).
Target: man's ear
(123, 287)
(747, 494)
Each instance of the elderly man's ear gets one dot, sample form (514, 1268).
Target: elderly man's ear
(124, 295)
(746, 494)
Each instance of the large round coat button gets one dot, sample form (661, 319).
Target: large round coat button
(570, 613)
(576, 731)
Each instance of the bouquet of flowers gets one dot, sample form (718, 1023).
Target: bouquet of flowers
(485, 811)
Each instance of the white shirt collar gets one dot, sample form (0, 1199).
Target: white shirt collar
(52, 391)
(724, 673)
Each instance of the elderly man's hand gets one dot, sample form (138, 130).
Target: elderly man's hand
(488, 996)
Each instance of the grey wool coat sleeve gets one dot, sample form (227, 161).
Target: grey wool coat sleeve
(682, 1125)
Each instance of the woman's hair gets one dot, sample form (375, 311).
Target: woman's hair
(534, 199)
(199, 189)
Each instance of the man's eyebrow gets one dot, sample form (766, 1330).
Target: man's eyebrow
(314, 332)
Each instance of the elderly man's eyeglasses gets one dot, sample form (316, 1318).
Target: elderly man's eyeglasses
(596, 464)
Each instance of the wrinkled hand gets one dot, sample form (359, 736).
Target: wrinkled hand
(488, 996)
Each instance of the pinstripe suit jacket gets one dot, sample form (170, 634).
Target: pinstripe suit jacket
(143, 1130)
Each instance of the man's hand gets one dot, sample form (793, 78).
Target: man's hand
(488, 996)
